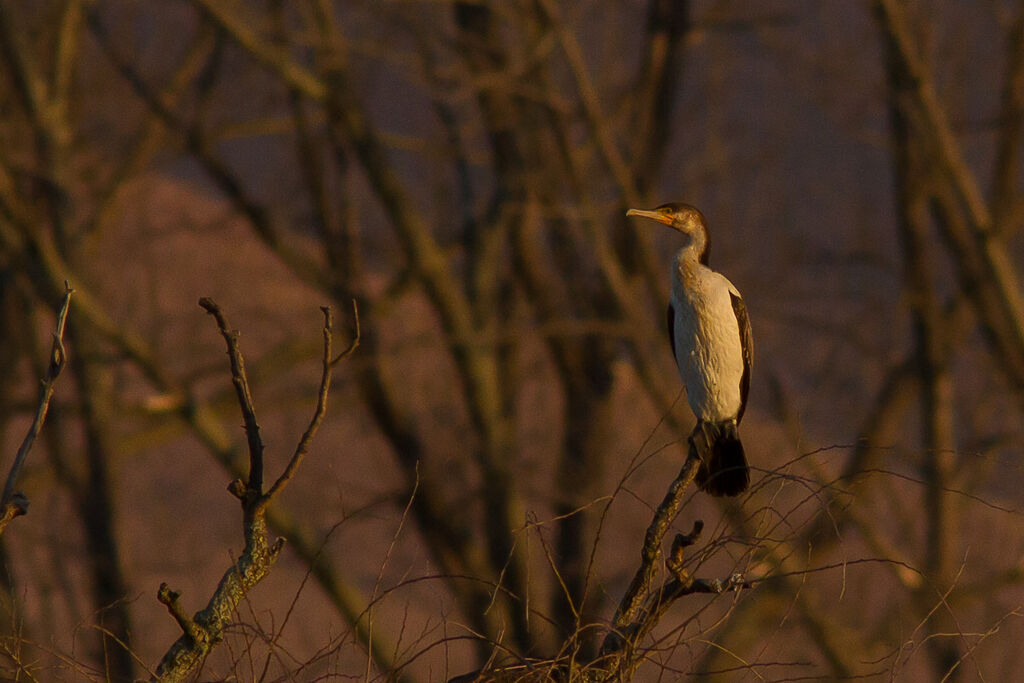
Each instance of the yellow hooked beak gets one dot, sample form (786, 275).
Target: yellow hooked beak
(659, 216)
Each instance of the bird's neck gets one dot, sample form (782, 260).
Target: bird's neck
(694, 253)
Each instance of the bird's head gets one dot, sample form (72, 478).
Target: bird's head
(684, 218)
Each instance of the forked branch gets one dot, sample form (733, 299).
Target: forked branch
(203, 631)
(621, 654)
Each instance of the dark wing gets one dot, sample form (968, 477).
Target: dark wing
(747, 344)
(670, 316)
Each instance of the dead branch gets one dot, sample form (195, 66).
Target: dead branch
(328, 363)
(204, 630)
(197, 414)
(657, 83)
(625, 660)
(241, 382)
(15, 503)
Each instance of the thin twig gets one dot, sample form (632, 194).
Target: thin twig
(356, 336)
(321, 403)
(14, 503)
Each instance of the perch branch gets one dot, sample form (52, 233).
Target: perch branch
(15, 503)
(639, 588)
(619, 656)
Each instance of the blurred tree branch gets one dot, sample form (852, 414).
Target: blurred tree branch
(1006, 213)
(479, 371)
(932, 356)
(986, 269)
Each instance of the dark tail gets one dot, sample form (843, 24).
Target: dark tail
(723, 468)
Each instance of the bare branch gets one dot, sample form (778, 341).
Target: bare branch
(170, 599)
(201, 146)
(206, 628)
(606, 145)
(639, 588)
(14, 503)
(241, 382)
(66, 50)
(321, 403)
(268, 54)
(657, 84)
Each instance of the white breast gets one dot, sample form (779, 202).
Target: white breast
(707, 340)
